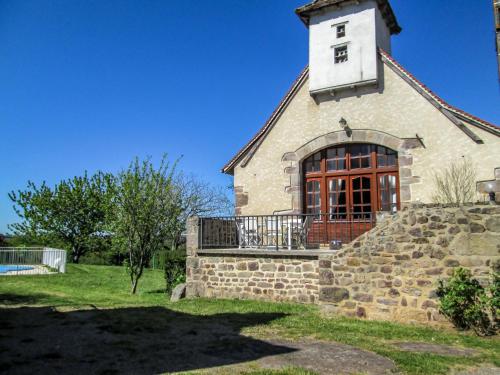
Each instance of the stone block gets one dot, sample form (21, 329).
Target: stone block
(253, 266)
(353, 262)
(477, 228)
(429, 304)
(393, 292)
(326, 277)
(386, 269)
(388, 302)
(434, 271)
(307, 268)
(333, 294)
(324, 263)
(241, 266)
(493, 224)
(271, 267)
(363, 297)
(451, 263)
(361, 312)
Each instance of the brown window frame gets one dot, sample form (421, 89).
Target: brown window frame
(374, 170)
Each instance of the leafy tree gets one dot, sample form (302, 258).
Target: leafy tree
(73, 212)
(146, 205)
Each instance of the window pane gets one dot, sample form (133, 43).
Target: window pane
(335, 159)
(342, 200)
(360, 156)
(356, 197)
(313, 163)
(313, 197)
(360, 150)
(355, 164)
(388, 193)
(392, 182)
(365, 163)
(356, 184)
(386, 157)
(366, 183)
(366, 197)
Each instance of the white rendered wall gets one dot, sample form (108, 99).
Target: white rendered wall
(365, 29)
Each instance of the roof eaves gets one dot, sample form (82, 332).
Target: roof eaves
(304, 12)
(476, 121)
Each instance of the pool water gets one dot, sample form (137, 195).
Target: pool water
(8, 268)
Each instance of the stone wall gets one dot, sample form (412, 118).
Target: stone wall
(388, 273)
(392, 272)
(264, 276)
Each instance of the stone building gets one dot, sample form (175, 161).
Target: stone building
(332, 194)
(356, 120)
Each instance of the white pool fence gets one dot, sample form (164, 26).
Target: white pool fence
(31, 260)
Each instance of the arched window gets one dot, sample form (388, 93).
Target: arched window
(351, 181)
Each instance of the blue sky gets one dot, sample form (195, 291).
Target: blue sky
(89, 84)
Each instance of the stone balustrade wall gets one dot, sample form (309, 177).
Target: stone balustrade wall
(388, 273)
(263, 277)
(392, 272)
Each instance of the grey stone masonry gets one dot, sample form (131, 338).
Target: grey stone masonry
(252, 274)
(388, 273)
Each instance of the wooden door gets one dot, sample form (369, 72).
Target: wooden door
(338, 208)
(363, 203)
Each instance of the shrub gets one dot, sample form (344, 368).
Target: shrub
(467, 304)
(175, 270)
(455, 184)
(495, 300)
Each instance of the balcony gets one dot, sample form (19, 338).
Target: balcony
(283, 232)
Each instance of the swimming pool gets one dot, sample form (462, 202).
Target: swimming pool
(8, 268)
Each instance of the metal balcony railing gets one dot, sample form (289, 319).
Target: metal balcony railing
(298, 231)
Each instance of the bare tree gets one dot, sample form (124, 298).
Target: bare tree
(456, 184)
(197, 197)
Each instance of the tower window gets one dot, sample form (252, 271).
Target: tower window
(340, 54)
(340, 31)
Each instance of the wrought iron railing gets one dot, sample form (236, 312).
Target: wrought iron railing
(302, 231)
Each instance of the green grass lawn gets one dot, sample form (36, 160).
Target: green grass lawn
(103, 288)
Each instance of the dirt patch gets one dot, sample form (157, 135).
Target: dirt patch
(328, 358)
(423, 347)
(480, 371)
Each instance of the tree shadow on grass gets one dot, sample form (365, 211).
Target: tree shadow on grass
(147, 340)
(18, 299)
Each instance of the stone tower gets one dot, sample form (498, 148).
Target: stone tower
(343, 39)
